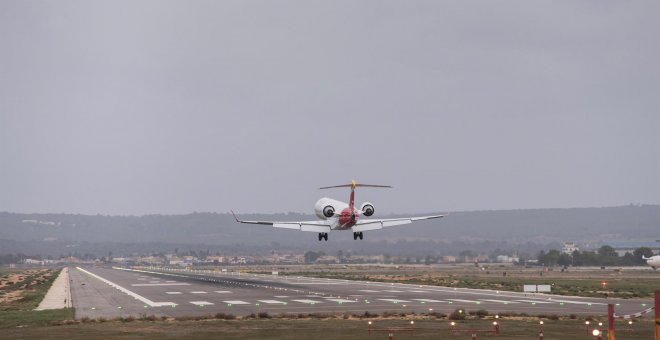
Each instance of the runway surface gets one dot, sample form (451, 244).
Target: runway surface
(109, 293)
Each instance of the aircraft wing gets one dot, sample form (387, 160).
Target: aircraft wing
(365, 225)
(313, 226)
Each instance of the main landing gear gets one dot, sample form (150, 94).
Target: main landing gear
(323, 236)
(357, 234)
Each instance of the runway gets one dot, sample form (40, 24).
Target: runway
(105, 292)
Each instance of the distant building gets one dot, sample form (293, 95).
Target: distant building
(506, 259)
(569, 248)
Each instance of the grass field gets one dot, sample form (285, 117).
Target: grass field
(588, 283)
(28, 288)
(316, 329)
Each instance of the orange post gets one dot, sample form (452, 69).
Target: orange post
(657, 315)
(610, 322)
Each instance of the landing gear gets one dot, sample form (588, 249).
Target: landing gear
(357, 234)
(323, 236)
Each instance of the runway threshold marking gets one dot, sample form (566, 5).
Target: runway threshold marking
(126, 291)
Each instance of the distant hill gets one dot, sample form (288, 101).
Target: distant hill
(540, 226)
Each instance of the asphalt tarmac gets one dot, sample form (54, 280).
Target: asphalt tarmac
(113, 292)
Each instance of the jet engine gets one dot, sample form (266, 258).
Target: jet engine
(367, 209)
(324, 209)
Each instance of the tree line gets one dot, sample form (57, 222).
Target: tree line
(604, 256)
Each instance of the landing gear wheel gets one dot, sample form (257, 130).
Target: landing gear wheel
(325, 236)
(355, 235)
(360, 235)
(320, 236)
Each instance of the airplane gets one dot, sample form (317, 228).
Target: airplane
(653, 261)
(337, 215)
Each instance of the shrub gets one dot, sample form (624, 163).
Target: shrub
(481, 313)
(264, 315)
(457, 314)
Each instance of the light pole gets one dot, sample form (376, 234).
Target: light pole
(586, 326)
(541, 330)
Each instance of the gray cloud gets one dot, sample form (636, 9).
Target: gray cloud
(169, 107)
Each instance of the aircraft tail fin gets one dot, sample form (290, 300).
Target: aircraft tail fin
(354, 185)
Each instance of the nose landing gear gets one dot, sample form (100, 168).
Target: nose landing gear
(357, 234)
(323, 236)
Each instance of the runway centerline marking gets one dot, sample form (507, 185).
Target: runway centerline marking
(172, 293)
(535, 301)
(223, 292)
(340, 300)
(461, 300)
(429, 300)
(201, 303)
(311, 302)
(498, 301)
(273, 302)
(198, 292)
(236, 302)
(130, 293)
(393, 300)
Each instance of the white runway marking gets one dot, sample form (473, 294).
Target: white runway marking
(154, 281)
(170, 281)
(498, 301)
(579, 302)
(393, 300)
(236, 302)
(417, 291)
(464, 301)
(534, 301)
(223, 291)
(311, 302)
(198, 292)
(369, 291)
(429, 300)
(281, 296)
(130, 293)
(340, 300)
(172, 293)
(273, 302)
(159, 284)
(201, 303)
(393, 291)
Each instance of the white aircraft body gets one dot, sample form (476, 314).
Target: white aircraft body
(653, 261)
(337, 215)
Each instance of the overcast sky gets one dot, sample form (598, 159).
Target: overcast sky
(139, 107)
